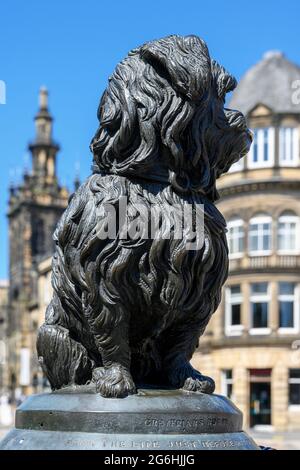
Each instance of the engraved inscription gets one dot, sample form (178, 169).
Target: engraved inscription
(148, 444)
(208, 444)
(84, 443)
(145, 445)
(118, 444)
(185, 424)
(182, 444)
(223, 444)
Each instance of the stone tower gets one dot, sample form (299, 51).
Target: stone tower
(34, 209)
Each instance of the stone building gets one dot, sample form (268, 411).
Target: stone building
(34, 209)
(38, 383)
(3, 333)
(252, 345)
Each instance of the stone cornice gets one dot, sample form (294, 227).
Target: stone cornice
(247, 340)
(248, 186)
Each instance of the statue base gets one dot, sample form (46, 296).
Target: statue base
(172, 420)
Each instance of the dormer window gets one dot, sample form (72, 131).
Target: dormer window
(261, 154)
(288, 146)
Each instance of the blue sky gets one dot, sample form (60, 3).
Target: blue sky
(72, 46)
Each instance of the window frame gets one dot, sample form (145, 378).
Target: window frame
(296, 299)
(291, 381)
(259, 145)
(257, 298)
(232, 299)
(293, 142)
(289, 218)
(233, 223)
(260, 219)
(225, 382)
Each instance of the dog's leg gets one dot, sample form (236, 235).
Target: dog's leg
(179, 344)
(63, 360)
(110, 330)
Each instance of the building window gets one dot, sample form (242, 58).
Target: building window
(288, 300)
(41, 131)
(233, 310)
(235, 237)
(294, 387)
(38, 238)
(15, 293)
(261, 154)
(288, 146)
(260, 235)
(227, 383)
(287, 234)
(259, 300)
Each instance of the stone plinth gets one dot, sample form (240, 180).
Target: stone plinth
(152, 420)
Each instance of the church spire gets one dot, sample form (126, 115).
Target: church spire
(43, 119)
(43, 147)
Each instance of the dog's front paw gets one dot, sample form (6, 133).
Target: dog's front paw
(186, 377)
(114, 381)
(199, 383)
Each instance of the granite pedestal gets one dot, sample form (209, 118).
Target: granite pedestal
(152, 420)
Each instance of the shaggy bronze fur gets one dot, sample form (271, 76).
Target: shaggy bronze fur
(130, 311)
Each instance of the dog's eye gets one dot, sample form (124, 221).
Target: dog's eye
(160, 68)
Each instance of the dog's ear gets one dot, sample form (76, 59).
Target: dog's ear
(184, 61)
(224, 82)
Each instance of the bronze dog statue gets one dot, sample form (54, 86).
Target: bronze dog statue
(127, 312)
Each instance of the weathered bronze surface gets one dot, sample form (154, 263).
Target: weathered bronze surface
(130, 311)
(127, 312)
(151, 420)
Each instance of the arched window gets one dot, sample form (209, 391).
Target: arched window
(260, 235)
(235, 237)
(261, 153)
(288, 233)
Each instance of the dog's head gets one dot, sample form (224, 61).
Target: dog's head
(162, 117)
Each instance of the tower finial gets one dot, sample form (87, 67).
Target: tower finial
(43, 148)
(43, 98)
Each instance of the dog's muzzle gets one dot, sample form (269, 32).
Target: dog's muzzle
(236, 119)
